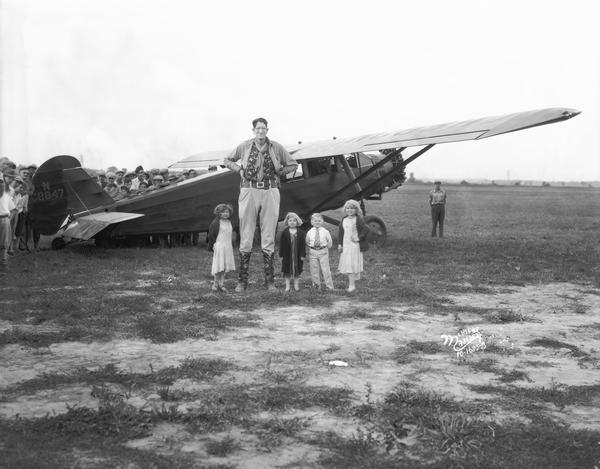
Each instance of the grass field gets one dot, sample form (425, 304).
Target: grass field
(125, 358)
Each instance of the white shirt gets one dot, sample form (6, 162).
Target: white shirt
(21, 205)
(135, 184)
(6, 204)
(18, 201)
(324, 237)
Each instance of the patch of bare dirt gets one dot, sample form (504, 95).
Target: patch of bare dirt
(298, 343)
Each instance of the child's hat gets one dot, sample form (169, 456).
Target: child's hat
(354, 204)
(294, 216)
(222, 207)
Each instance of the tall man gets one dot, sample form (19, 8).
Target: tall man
(437, 201)
(260, 163)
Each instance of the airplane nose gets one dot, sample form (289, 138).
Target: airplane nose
(568, 113)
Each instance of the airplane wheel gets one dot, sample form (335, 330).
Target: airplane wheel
(377, 226)
(58, 243)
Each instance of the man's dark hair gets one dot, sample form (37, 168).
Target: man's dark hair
(259, 119)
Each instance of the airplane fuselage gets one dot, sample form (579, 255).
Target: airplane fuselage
(188, 205)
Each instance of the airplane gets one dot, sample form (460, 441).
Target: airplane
(66, 201)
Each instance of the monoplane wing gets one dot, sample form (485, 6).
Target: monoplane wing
(474, 129)
(201, 160)
(443, 133)
(88, 226)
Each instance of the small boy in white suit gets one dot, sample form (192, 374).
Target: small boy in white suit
(318, 243)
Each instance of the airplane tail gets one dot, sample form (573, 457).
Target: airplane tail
(62, 188)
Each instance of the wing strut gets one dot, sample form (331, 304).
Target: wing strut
(372, 169)
(349, 172)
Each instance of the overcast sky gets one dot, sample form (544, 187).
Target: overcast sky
(129, 82)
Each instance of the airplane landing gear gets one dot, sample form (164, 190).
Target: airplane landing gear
(58, 243)
(378, 229)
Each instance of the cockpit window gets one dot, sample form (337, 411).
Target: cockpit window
(321, 166)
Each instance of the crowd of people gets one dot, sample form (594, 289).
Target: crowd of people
(121, 184)
(16, 230)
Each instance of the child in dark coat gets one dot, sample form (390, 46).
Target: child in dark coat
(292, 248)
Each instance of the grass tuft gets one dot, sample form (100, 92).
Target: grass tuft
(557, 394)
(29, 338)
(406, 353)
(379, 327)
(191, 367)
(222, 448)
(506, 316)
(556, 344)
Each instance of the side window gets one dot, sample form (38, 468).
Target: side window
(319, 166)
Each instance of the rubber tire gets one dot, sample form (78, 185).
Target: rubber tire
(58, 244)
(378, 226)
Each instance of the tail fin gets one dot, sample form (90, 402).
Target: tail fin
(61, 188)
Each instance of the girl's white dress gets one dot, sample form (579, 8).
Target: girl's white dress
(351, 259)
(223, 260)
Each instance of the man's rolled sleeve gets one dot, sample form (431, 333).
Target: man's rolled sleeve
(288, 164)
(230, 161)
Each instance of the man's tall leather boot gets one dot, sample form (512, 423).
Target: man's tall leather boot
(243, 275)
(269, 273)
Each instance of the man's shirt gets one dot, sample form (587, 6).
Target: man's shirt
(6, 204)
(282, 162)
(259, 166)
(135, 184)
(437, 197)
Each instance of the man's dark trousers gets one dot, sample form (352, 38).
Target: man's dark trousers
(438, 211)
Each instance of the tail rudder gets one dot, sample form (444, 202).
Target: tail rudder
(62, 187)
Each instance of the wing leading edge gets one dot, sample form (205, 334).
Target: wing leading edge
(473, 129)
(443, 133)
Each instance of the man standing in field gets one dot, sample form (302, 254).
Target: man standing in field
(437, 201)
(260, 163)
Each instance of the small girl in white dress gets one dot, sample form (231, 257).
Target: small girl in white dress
(352, 240)
(221, 244)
